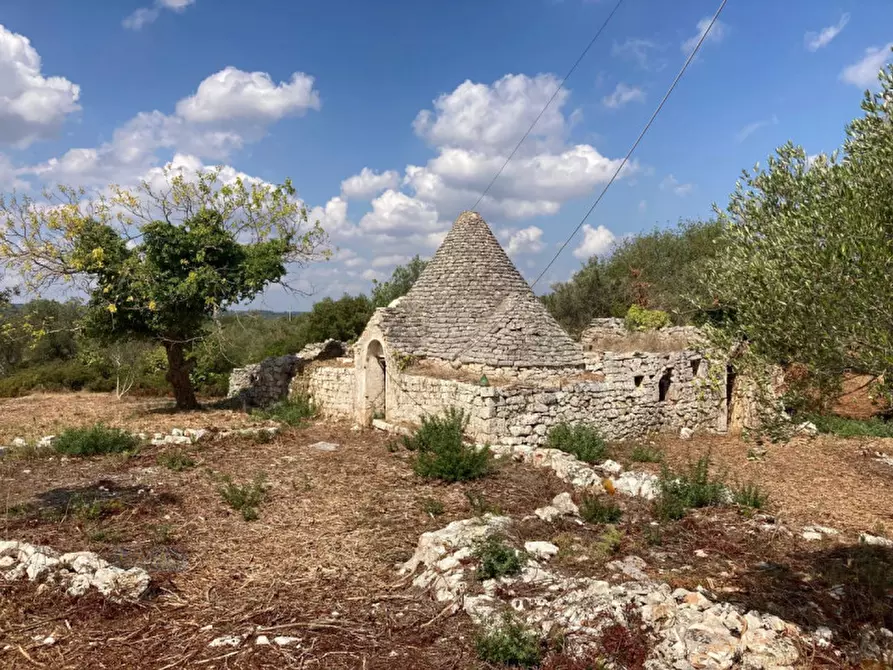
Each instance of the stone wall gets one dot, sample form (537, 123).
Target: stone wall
(637, 394)
(332, 387)
(269, 381)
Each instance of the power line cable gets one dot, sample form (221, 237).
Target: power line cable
(638, 140)
(548, 104)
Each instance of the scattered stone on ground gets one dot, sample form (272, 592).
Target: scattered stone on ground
(324, 446)
(562, 505)
(807, 428)
(688, 628)
(75, 572)
(875, 540)
(542, 550)
(815, 533)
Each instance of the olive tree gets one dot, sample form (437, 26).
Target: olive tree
(158, 262)
(805, 270)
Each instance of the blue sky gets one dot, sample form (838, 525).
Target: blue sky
(392, 117)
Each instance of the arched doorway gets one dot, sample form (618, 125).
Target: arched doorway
(376, 376)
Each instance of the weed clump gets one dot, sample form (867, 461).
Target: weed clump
(843, 427)
(581, 440)
(608, 542)
(645, 454)
(244, 498)
(597, 509)
(509, 643)
(441, 451)
(177, 460)
(750, 495)
(95, 440)
(497, 559)
(432, 507)
(694, 488)
(293, 412)
(480, 505)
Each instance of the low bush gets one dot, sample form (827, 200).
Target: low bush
(441, 451)
(639, 318)
(842, 427)
(177, 460)
(293, 412)
(599, 509)
(432, 507)
(750, 495)
(509, 643)
(497, 558)
(608, 542)
(693, 488)
(581, 440)
(97, 439)
(244, 498)
(480, 505)
(646, 454)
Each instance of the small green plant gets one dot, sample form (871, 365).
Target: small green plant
(441, 451)
(653, 535)
(509, 643)
(91, 509)
(294, 411)
(262, 437)
(608, 542)
(693, 488)
(177, 460)
(244, 498)
(581, 440)
(843, 427)
(599, 509)
(639, 319)
(97, 439)
(646, 454)
(105, 535)
(163, 533)
(432, 507)
(480, 505)
(497, 558)
(750, 495)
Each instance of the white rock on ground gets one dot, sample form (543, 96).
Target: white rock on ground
(324, 446)
(689, 629)
(875, 540)
(542, 550)
(75, 572)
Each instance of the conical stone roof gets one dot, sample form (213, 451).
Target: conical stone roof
(471, 304)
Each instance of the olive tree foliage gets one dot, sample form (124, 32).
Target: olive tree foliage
(402, 279)
(159, 262)
(805, 274)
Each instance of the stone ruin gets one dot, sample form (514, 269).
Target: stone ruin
(471, 334)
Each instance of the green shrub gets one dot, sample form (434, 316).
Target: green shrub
(293, 412)
(640, 318)
(750, 495)
(842, 427)
(432, 507)
(441, 452)
(97, 439)
(582, 440)
(608, 542)
(480, 505)
(177, 460)
(497, 559)
(691, 489)
(244, 498)
(599, 509)
(646, 454)
(510, 643)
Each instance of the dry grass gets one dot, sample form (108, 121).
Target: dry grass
(320, 562)
(40, 414)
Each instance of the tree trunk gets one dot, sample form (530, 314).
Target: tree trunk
(178, 375)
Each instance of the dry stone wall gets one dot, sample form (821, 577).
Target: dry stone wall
(333, 388)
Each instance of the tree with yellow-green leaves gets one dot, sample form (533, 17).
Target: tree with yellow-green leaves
(159, 263)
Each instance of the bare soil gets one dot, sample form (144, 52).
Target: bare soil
(321, 561)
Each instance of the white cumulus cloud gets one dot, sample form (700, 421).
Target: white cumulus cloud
(670, 183)
(32, 106)
(864, 72)
(525, 241)
(817, 40)
(146, 15)
(716, 34)
(622, 95)
(596, 241)
(369, 183)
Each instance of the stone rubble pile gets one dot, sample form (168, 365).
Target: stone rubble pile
(582, 475)
(75, 572)
(688, 628)
(176, 436)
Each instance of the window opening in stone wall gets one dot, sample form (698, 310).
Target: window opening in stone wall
(663, 386)
(638, 379)
(695, 365)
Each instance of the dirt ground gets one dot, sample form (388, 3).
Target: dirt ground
(320, 562)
